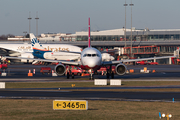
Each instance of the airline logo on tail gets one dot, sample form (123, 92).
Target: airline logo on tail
(38, 50)
(34, 41)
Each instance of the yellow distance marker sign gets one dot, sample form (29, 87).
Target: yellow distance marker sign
(70, 105)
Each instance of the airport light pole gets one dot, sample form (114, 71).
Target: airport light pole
(131, 25)
(29, 22)
(37, 24)
(125, 25)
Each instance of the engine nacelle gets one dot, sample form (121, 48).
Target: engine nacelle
(60, 69)
(121, 69)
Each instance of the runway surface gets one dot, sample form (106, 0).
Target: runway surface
(18, 73)
(98, 95)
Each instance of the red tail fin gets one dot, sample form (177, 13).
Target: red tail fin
(89, 38)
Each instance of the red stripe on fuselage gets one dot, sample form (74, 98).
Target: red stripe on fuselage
(40, 49)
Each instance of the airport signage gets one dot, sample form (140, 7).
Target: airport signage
(70, 105)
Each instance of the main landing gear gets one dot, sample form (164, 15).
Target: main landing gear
(110, 73)
(69, 74)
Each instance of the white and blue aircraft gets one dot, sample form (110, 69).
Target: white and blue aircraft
(25, 50)
(40, 52)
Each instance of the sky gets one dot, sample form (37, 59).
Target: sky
(69, 16)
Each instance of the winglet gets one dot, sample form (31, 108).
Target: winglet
(89, 38)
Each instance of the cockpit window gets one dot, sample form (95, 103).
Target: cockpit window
(91, 55)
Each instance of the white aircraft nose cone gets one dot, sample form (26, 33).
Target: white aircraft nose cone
(91, 63)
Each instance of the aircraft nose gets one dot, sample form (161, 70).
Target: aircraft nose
(92, 64)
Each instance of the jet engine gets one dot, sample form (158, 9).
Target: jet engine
(121, 69)
(60, 69)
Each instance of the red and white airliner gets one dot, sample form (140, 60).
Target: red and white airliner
(91, 59)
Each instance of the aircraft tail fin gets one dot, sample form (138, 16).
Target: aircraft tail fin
(89, 35)
(35, 43)
(38, 50)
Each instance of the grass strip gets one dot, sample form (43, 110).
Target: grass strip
(86, 84)
(18, 109)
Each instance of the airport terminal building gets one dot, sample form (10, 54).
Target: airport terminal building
(119, 35)
(112, 35)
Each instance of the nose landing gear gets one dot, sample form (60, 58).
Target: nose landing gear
(91, 76)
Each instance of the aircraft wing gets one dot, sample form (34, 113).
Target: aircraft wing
(5, 51)
(46, 60)
(134, 60)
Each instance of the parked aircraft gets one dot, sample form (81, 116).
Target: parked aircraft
(91, 59)
(25, 50)
(40, 52)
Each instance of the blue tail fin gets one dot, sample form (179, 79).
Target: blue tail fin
(34, 42)
(38, 50)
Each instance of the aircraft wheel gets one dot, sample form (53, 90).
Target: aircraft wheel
(68, 75)
(112, 75)
(79, 74)
(72, 75)
(91, 77)
(107, 75)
